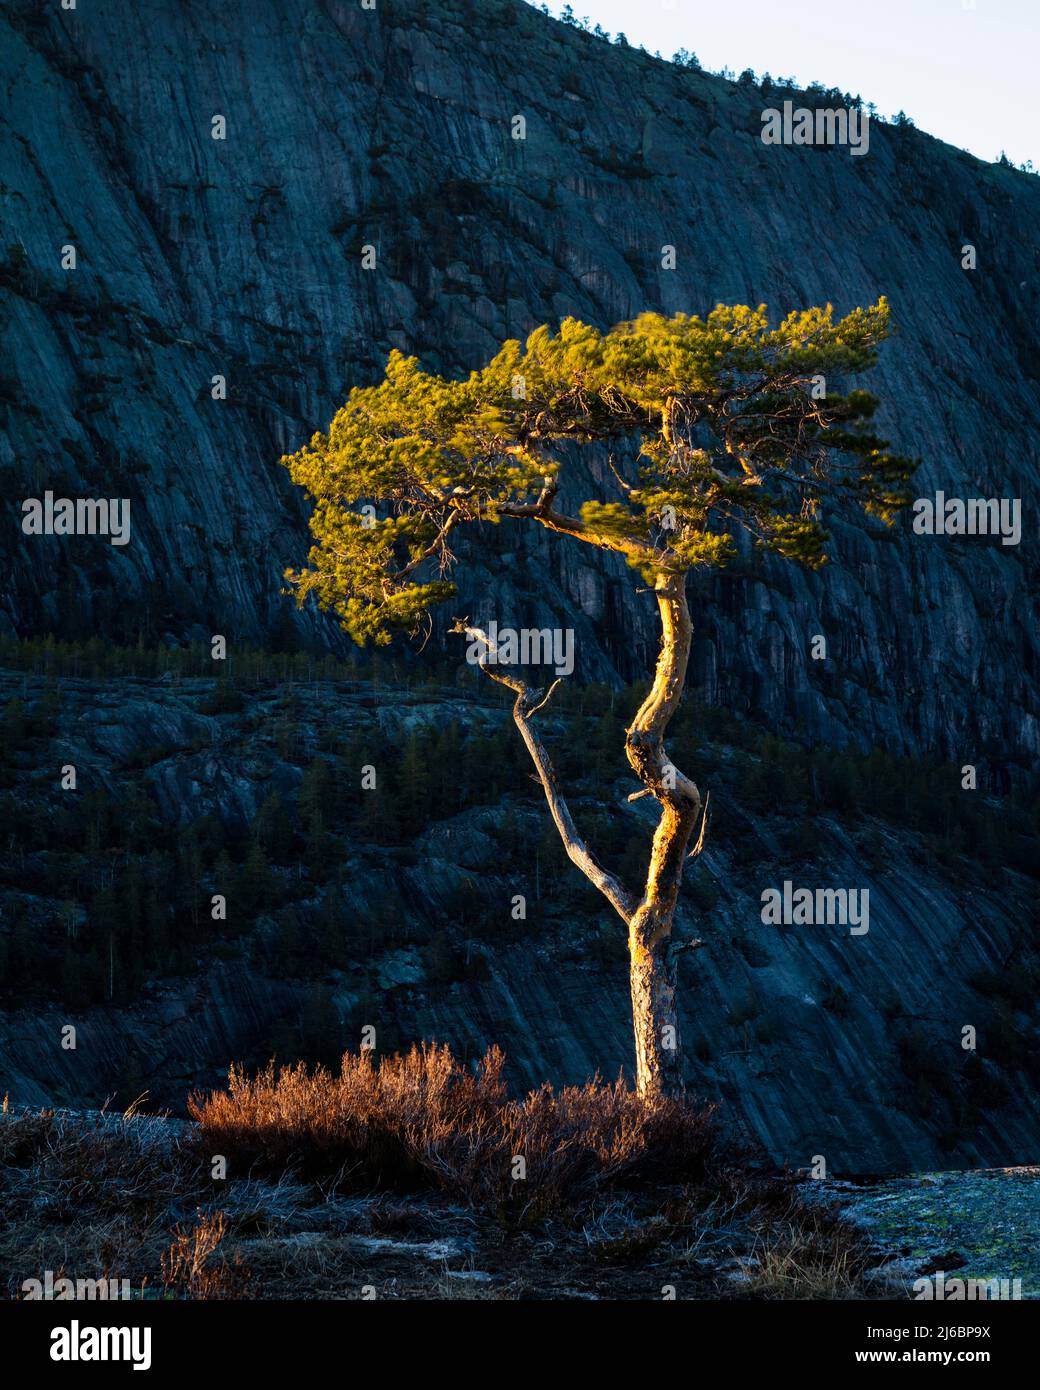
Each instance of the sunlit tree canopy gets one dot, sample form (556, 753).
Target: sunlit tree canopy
(712, 425)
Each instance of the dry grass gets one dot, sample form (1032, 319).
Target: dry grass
(89, 1194)
(423, 1120)
(189, 1269)
(792, 1265)
(402, 1177)
(801, 1249)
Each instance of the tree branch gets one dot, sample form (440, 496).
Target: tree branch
(573, 526)
(528, 702)
(452, 519)
(644, 743)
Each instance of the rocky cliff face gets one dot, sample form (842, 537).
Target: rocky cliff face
(242, 258)
(816, 1040)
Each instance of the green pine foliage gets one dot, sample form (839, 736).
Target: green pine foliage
(734, 424)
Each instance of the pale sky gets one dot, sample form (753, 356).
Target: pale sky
(967, 71)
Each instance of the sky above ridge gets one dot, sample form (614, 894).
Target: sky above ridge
(963, 70)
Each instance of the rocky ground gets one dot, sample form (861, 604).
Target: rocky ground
(89, 1195)
(142, 1212)
(979, 1224)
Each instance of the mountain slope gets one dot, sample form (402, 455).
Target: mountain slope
(242, 258)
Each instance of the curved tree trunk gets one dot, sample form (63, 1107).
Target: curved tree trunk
(651, 957)
(649, 917)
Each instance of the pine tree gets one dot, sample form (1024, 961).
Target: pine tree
(732, 425)
(273, 829)
(414, 782)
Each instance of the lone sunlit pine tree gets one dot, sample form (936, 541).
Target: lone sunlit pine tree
(720, 423)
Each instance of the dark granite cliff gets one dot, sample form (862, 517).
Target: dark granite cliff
(815, 1040)
(242, 258)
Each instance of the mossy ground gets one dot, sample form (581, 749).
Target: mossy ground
(981, 1224)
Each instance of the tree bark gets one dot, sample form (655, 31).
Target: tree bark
(655, 1023)
(658, 1046)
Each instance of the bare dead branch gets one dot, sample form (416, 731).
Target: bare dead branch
(694, 944)
(704, 826)
(528, 702)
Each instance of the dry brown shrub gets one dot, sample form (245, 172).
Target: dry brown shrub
(425, 1120)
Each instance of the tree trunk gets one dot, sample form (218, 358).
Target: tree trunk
(651, 957)
(654, 1019)
(649, 917)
